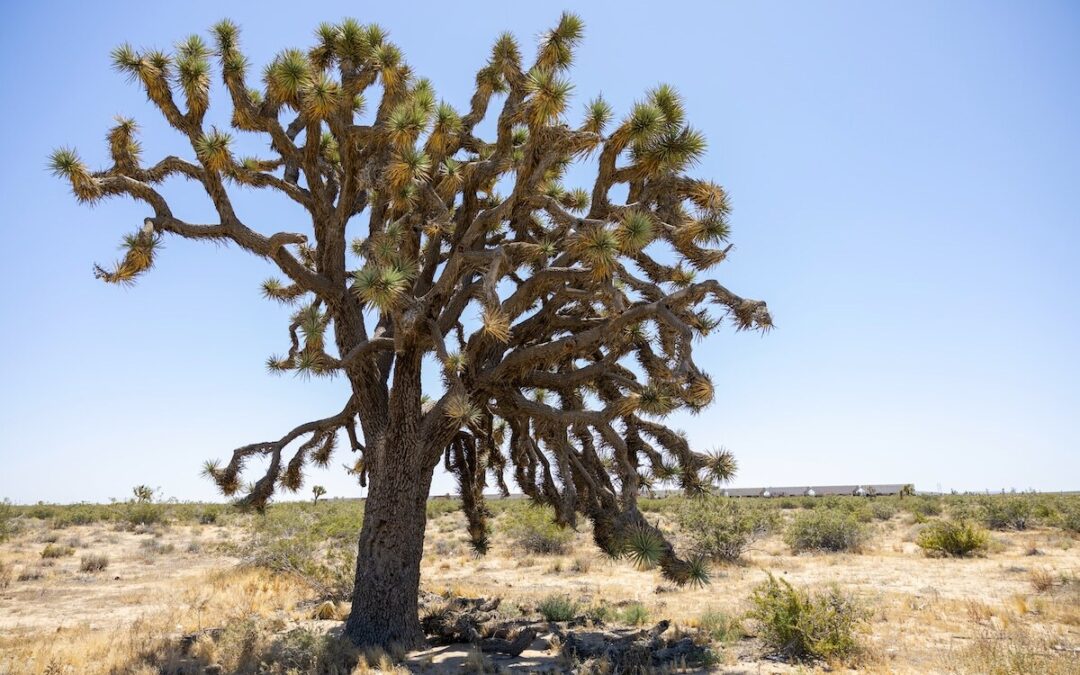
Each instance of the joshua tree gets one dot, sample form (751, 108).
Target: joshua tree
(317, 491)
(144, 494)
(563, 321)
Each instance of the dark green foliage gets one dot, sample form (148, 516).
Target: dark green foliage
(798, 625)
(825, 530)
(958, 538)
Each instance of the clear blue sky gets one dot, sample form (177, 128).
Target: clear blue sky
(906, 183)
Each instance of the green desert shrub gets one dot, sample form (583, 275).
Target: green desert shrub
(79, 514)
(8, 525)
(144, 514)
(634, 614)
(881, 509)
(825, 530)
(799, 625)
(557, 608)
(720, 528)
(957, 538)
(533, 530)
(317, 546)
(1012, 512)
(94, 562)
(442, 506)
(720, 626)
(1068, 518)
(923, 505)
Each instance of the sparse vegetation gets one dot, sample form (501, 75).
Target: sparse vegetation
(262, 604)
(94, 562)
(799, 625)
(957, 538)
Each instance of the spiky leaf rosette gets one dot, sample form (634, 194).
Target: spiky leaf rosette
(562, 315)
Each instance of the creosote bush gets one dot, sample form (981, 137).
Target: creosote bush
(825, 530)
(799, 625)
(1008, 512)
(720, 528)
(957, 538)
(316, 545)
(533, 530)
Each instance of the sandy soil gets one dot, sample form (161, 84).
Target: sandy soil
(924, 610)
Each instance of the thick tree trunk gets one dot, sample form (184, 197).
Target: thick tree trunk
(387, 586)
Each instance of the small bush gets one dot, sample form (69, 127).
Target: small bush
(720, 626)
(6, 575)
(722, 529)
(143, 514)
(956, 538)
(557, 608)
(798, 625)
(634, 614)
(598, 613)
(95, 562)
(7, 520)
(923, 506)
(31, 573)
(1069, 518)
(534, 531)
(825, 530)
(882, 510)
(442, 506)
(1042, 580)
(581, 565)
(57, 551)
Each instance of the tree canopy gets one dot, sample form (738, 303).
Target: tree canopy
(563, 318)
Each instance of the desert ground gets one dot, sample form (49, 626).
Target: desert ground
(189, 588)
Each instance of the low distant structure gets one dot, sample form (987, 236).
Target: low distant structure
(867, 490)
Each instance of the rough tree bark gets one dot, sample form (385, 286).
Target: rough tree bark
(563, 323)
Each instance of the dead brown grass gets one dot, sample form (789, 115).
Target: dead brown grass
(953, 615)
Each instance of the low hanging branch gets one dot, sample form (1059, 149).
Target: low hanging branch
(565, 323)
